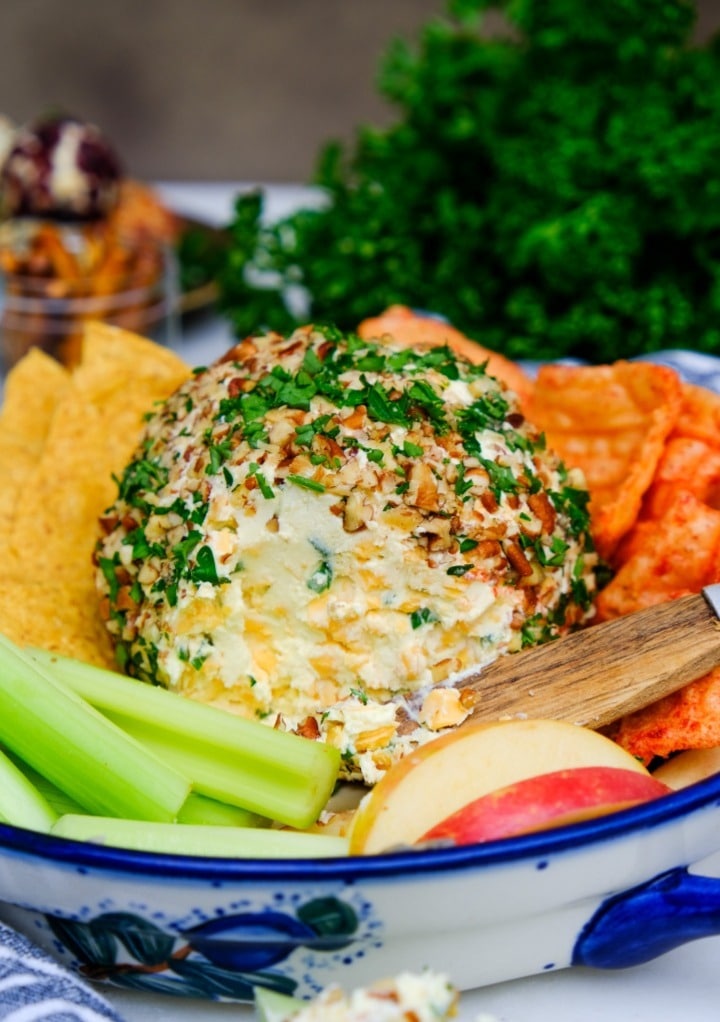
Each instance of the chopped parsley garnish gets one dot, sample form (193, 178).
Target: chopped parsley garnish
(580, 593)
(204, 569)
(306, 433)
(486, 412)
(502, 479)
(423, 616)
(139, 477)
(219, 453)
(305, 483)
(573, 503)
(426, 398)
(264, 486)
(383, 408)
(107, 566)
(181, 551)
(536, 630)
(462, 485)
(321, 578)
(554, 556)
(137, 539)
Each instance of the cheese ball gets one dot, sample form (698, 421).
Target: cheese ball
(59, 167)
(326, 533)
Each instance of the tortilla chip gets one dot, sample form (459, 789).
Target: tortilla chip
(58, 615)
(32, 389)
(408, 327)
(611, 422)
(688, 719)
(93, 430)
(31, 392)
(124, 376)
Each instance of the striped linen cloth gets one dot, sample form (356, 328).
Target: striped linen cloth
(34, 988)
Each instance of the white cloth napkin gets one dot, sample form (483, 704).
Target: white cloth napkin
(34, 988)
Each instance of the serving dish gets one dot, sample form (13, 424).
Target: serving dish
(610, 893)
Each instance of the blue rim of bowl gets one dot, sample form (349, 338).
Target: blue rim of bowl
(703, 795)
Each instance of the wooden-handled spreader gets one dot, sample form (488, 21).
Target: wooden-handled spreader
(597, 675)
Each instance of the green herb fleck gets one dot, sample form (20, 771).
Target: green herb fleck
(265, 487)
(321, 578)
(423, 616)
(305, 483)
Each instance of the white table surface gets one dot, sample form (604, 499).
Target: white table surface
(682, 985)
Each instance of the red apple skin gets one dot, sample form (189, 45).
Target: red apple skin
(546, 800)
(443, 775)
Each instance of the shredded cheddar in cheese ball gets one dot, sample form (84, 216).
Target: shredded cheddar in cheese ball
(326, 533)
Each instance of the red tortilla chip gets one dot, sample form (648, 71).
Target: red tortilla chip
(611, 422)
(666, 558)
(699, 415)
(688, 719)
(686, 464)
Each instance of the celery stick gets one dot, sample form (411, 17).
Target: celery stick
(199, 809)
(279, 775)
(196, 808)
(59, 801)
(78, 749)
(225, 775)
(189, 839)
(21, 804)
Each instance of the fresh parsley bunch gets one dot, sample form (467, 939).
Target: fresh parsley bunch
(554, 191)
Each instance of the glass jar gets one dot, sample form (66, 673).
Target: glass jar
(56, 277)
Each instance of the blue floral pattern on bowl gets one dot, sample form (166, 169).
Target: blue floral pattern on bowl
(223, 958)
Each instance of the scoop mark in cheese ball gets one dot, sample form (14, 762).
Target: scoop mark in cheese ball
(325, 532)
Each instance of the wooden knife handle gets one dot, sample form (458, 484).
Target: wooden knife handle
(595, 676)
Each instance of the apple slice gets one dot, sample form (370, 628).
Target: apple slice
(547, 800)
(689, 767)
(447, 773)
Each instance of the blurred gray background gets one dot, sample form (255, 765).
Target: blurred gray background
(233, 90)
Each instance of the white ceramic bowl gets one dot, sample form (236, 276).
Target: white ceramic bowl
(608, 893)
